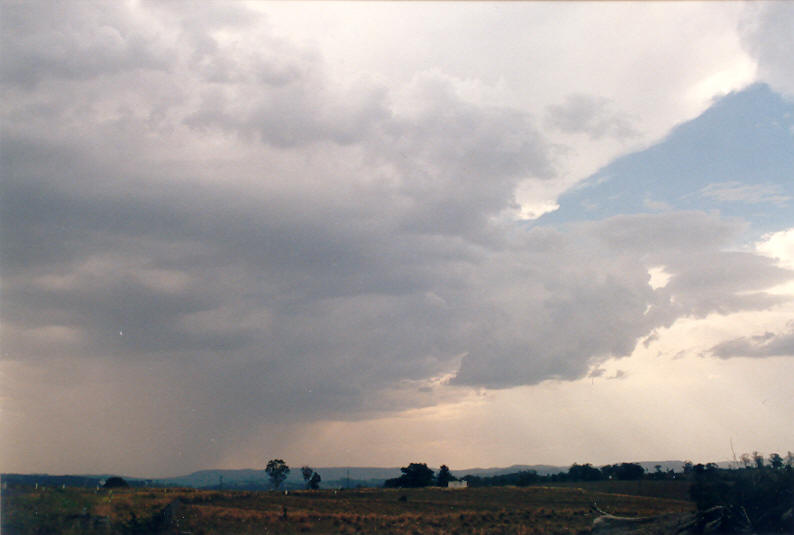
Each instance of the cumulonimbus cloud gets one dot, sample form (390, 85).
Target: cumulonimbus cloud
(249, 238)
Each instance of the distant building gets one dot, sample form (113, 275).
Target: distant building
(457, 484)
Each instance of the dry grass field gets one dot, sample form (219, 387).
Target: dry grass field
(389, 511)
(672, 489)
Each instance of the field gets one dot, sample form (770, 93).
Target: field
(672, 489)
(397, 511)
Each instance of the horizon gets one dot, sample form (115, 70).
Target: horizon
(348, 232)
(294, 468)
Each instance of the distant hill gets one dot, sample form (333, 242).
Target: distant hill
(255, 479)
(48, 480)
(541, 469)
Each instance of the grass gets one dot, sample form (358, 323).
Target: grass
(672, 489)
(508, 510)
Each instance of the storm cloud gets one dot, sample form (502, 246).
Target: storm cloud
(590, 115)
(768, 344)
(213, 233)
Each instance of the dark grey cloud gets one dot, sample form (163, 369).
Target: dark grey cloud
(242, 240)
(591, 115)
(594, 282)
(79, 41)
(288, 271)
(452, 164)
(768, 344)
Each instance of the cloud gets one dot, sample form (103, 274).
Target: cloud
(81, 42)
(594, 281)
(780, 246)
(766, 35)
(651, 338)
(763, 345)
(273, 261)
(590, 115)
(749, 193)
(596, 372)
(213, 235)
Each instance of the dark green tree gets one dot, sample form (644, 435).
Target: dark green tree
(115, 482)
(629, 471)
(775, 461)
(307, 474)
(765, 496)
(414, 475)
(688, 467)
(444, 476)
(584, 472)
(314, 482)
(277, 471)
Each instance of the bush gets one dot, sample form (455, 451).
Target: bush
(116, 482)
(766, 495)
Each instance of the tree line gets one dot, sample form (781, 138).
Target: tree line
(418, 474)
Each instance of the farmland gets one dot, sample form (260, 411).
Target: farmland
(673, 489)
(398, 511)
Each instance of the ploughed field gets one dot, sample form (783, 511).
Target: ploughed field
(515, 510)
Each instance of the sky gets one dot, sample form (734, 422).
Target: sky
(368, 234)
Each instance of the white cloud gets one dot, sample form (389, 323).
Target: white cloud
(749, 193)
(766, 34)
(780, 246)
(658, 277)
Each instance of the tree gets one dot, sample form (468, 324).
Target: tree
(746, 461)
(584, 472)
(699, 469)
(688, 467)
(311, 478)
(444, 477)
(775, 461)
(307, 475)
(629, 471)
(115, 482)
(414, 475)
(760, 495)
(758, 459)
(277, 471)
